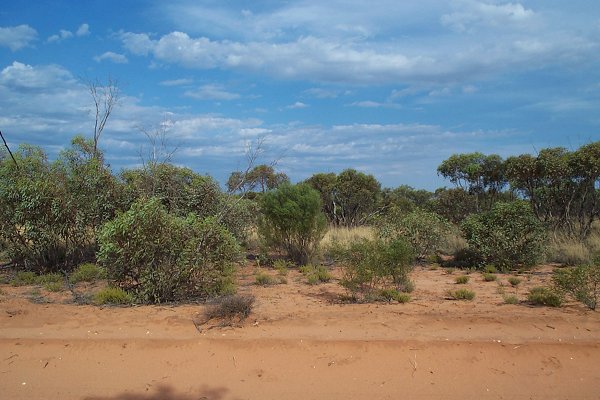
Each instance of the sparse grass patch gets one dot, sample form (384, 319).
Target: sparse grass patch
(545, 296)
(229, 308)
(53, 286)
(489, 277)
(113, 295)
(461, 280)
(281, 266)
(340, 235)
(87, 272)
(49, 279)
(449, 271)
(264, 279)
(24, 278)
(461, 294)
(315, 274)
(514, 281)
(511, 299)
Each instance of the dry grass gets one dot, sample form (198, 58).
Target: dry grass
(570, 251)
(343, 235)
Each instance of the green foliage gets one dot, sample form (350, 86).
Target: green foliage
(464, 258)
(161, 257)
(264, 279)
(489, 277)
(293, 221)
(113, 295)
(390, 295)
(315, 274)
(545, 296)
(372, 264)
(424, 230)
(461, 280)
(514, 281)
(231, 307)
(581, 282)
(24, 278)
(454, 204)
(511, 299)
(260, 178)
(461, 294)
(53, 286)
(281, 266)
(508, 236)
(87, 272)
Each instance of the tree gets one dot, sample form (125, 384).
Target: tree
(105, 98)
(293, 220)
(262, 177)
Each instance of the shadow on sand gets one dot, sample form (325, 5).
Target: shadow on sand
(164, 392)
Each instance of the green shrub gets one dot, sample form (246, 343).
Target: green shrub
(281, 266)
(315, 274)
(264, 279)
(371, 264)
(461, 280)
(509, 235)
(514, 281)
(24, 278)
(160, 257)
(490, 269)
(113, 295)
(582, 282)
(511, 299)
(87, 272)
(49, 278)
(545, 296)
(464, 258)
(425, 231)
(293, 221)
(390, 295)
(461, 294)
(53, 286)
(489, 277)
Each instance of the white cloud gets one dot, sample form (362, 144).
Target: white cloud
(212, 92)
(83, 30)
(62, 35)
(177, 82)
(475, 14)
(297, 105)
(113, 57)
(17, 37)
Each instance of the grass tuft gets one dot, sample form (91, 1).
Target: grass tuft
(113, 295)
(461, 280)
(87, 272)
(461, 294)
(545, 296)
(231, 307)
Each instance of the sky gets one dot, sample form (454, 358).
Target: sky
(388, 87)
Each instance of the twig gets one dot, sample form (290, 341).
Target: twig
(414, 365)
(8, 148)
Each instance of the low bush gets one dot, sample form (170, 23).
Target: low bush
(113, 295)
(511, 299)
(53, 286)
(390, 295)
(582, 283)
(315, 274)
(489, 277)
(87, 272)
(24, 278)
(264, 279)
(230, 307)
(545, 296)
(461, 280)
(514, 281)
(461, 294)
(464, 258)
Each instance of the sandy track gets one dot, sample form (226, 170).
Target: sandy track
(298, 345)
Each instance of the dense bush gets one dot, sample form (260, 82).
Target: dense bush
(293, 220)
(424, 230)
(545, 296)
(369, 265)
(161, 257)
(509, 235)
(582, 282)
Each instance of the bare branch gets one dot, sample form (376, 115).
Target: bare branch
(105, 98)
(8, 148)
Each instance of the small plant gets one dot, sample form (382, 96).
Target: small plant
(582, 282)
(281, 266)
(53, 286)
(490, 269)
(514, 281)
(489, 277)
(545, 296)
(23, 278)
(390, 295)
(230, 307)
(315, 274)
(264, 279)
(87, 272)
(461, 294)
(511, 299)
(113, 295)
(461, 280)
(449, 270)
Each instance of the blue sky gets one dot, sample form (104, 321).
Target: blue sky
(387, 87)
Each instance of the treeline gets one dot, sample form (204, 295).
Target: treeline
(166, 233)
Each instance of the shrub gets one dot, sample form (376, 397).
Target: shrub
(23, 278)
(390, 295)
(53, 286)
(264, 279)
(464, 258)
(511, 299)
(425, 231)
(293, 221)
(489, 277)
(230, 307)
(281, 266)
(514, 281)
(490, 269)
(509, 235)
(369, 264)
(87, 272)
(461, 294)
(113, 295)
(545, 296)
(160, 257)
(461, 280)
(582, 282)
(315, 274)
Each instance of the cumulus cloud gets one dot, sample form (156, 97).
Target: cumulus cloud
(177, 82)
(83, 30)
(62, 35)
(211, 92)
(297, 105)
(112, 57)
(17, 37)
